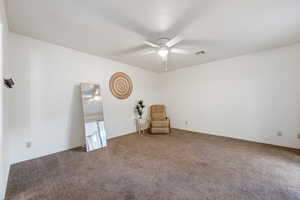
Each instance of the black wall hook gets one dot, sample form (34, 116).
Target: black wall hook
(9, 83)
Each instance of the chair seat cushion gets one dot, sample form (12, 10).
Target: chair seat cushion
(160, 124)
(160, 130)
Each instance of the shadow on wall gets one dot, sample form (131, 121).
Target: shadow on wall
(76, 121)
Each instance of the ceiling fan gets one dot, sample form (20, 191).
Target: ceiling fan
(164, 47)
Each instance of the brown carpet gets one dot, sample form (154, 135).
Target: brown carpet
(161, 167)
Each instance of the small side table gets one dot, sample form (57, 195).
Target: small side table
(141, 125)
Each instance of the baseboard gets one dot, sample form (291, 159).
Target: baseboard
(122, 135)
(73, 147)
(176, 130)
(125, 134)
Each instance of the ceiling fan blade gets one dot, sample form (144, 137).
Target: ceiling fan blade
(174, 41)
(151, 44)
(148, 52)
(180, 51)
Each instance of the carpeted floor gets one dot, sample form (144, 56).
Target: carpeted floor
(161, 167)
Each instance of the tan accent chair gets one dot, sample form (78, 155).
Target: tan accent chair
(159, 120)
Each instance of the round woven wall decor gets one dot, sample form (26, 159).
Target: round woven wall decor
(120, 85)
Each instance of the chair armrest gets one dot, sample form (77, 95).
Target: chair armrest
(169, 122)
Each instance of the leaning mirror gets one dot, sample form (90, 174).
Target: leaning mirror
(95, 135)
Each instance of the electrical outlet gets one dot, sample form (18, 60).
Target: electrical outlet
(279, 133)
(28, 144)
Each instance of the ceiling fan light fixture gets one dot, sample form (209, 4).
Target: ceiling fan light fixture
(163, 51)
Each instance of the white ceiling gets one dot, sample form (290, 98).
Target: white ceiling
(108, 28)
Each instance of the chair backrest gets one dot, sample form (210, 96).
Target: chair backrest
(158, 112)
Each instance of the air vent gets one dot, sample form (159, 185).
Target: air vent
(200, 53)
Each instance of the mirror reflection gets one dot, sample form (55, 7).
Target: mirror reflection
(95, 135)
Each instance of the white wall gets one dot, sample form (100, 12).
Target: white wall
(250, 97)
(4, 160)
(45, 105)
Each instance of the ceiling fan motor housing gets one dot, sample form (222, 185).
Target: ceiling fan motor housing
(163, 51)
(162, 41)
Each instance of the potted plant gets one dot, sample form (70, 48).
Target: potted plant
(140, 108)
